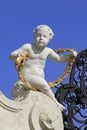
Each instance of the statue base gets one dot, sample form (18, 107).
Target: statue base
(35, 112)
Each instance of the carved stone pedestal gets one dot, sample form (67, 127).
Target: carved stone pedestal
(35, 112)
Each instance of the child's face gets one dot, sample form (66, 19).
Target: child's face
(42, 38)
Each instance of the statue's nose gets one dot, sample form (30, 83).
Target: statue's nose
(41, 37)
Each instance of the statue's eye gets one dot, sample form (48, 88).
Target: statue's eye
(44, 36)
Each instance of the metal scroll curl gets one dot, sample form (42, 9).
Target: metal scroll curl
(73, 95)
(19, 62)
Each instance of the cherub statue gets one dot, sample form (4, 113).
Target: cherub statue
(33, 67)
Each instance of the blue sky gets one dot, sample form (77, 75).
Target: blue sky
(18, 18)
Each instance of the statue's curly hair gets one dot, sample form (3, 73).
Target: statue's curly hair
(44, 27)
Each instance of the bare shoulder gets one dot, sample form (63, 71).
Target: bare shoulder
(49, 50)
(26, 46)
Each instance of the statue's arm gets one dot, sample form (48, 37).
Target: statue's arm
(60, 58)
(19, 52)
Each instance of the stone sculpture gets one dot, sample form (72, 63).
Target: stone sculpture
(35, 112)
(32, 96)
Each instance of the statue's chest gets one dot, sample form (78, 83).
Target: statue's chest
(38, 54)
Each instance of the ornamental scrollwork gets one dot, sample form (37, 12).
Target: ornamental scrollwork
(73, 95)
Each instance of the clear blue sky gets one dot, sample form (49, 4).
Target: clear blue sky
(18, 18)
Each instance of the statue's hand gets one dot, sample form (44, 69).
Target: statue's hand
(19, 60)
(74, 52)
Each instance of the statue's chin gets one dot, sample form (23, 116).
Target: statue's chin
(40, 45)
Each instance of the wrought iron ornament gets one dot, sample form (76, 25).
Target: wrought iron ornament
(74, 95)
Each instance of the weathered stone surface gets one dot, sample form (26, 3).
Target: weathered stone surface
(35, 112)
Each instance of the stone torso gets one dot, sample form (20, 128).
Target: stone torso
(36, 62)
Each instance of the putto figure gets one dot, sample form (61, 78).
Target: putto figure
(33, 68)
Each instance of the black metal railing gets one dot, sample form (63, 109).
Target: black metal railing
(73, 95)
